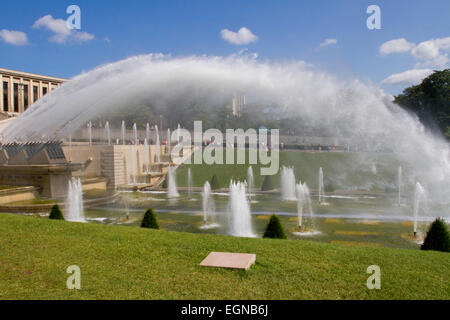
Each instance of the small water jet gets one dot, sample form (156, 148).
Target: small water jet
(123, 131)
(189, 183)
(287, 183)
(172, 191)
(90, 132)
(239, 216)
(147, 131)
(74, 201)
(107, 134)
(399, 181)
(208, 208)
(419, 199)
(321, 187)
(135, 135)
(158, 145)
(250, 182)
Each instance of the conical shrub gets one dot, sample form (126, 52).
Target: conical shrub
(56, 213)
(150, 220)
(214, 183)
(437, 237)
(267, 184)
(274, 228)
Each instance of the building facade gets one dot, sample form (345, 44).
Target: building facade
(238, 104)
(19, 90)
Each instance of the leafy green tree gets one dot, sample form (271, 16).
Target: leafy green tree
(430, 100)
(437, 237)
(267, 184)
(214, 183)
(274, 228)
(150, 220)
(56, 213)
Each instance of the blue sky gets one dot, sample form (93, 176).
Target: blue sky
(285, 31)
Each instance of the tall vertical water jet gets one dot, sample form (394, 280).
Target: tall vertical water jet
(158, 145)
(74, 201)
(147, 131)
(250, 182)
(90, 133)
(303, 203)
(419, 198)
(208, 206)
(172, 191)
(189, 183)
(107, 133)
(399, 182)
(287, 183)
(239, 216)
(321, 187)
(135, 135)
(123, 131)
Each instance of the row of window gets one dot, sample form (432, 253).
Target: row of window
(25, 89)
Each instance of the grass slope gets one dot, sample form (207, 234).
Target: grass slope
(134, 263)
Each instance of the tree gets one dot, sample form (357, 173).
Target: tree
(267, 184)
(430, 100)
(214, 183)
(437, 237)
(274, 228)
(56, 213)
(150, 220)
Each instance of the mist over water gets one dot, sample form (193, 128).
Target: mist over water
(351, 109)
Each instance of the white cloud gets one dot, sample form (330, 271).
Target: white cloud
(409, 77)
(16, 38)
(328, 42)
(431, 49)
(61, 33)
(107, 40)
(396, 46)
(243, 36)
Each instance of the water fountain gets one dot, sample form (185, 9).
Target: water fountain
(419, 199)
(189, 183)
(250, 182)
(74, 201)
(239, 218)
(147, 131)
(287, 183)
(208, 207)
(321, 187)
(90, 132)
(399, 182)
(135, 135)
(172, 191)
(107, 134)
(158, 145)
(123, 130)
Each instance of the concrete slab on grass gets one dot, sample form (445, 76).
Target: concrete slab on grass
(229, 260)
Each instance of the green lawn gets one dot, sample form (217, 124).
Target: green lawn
(132, 263)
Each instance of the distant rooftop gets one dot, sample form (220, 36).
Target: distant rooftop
(16, 73)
